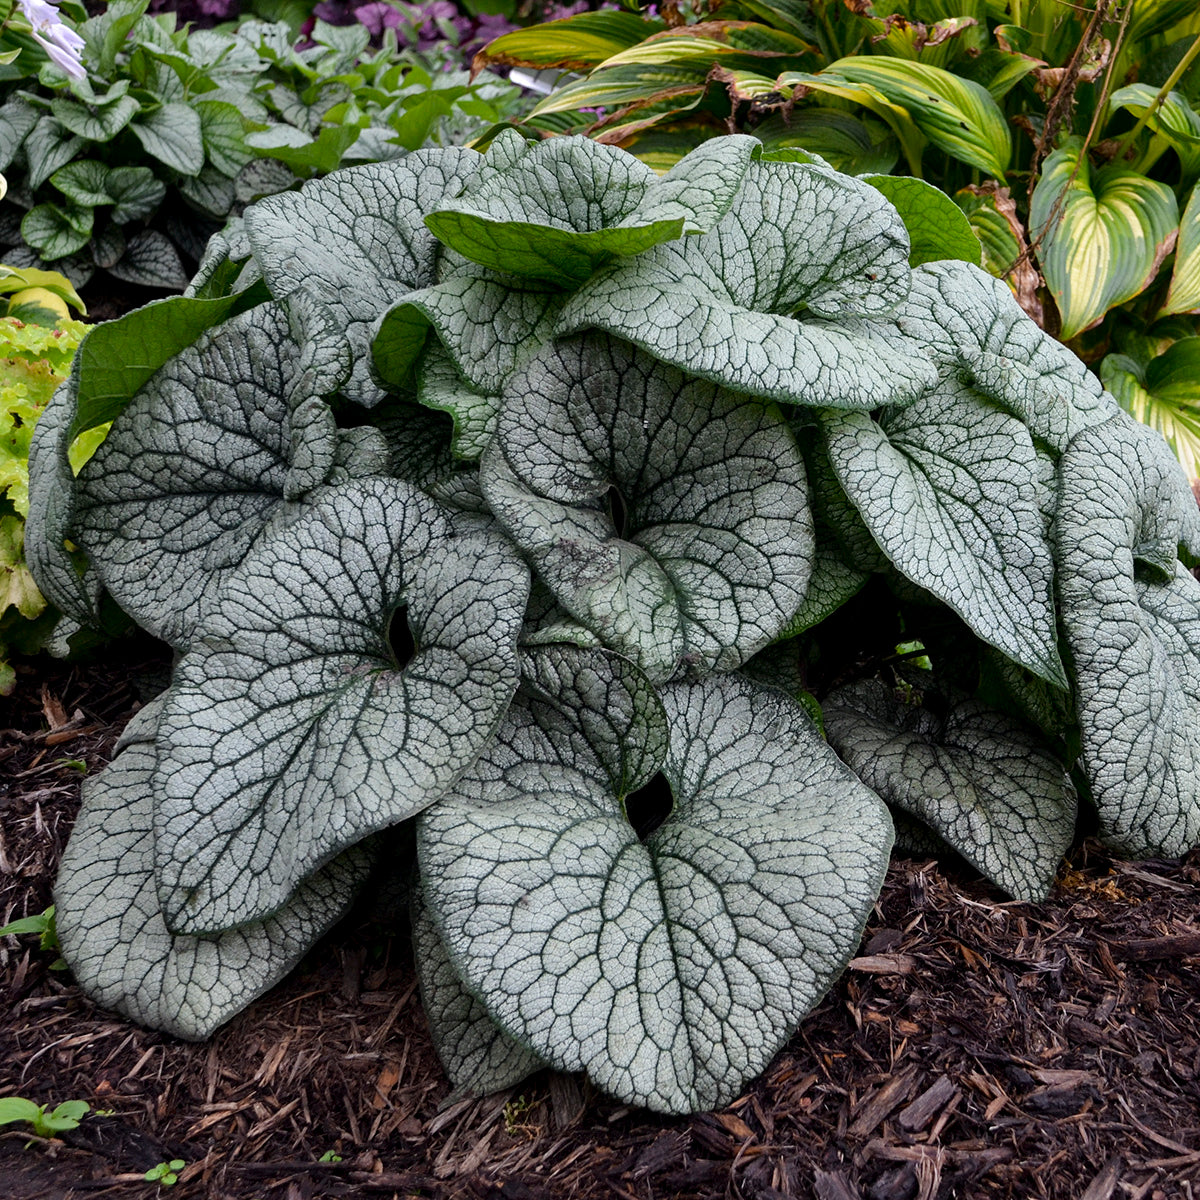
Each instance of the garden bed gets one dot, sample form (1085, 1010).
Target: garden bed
(975, 1048)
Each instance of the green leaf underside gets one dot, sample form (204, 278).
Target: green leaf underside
(292, 732)
(971, 324)
(718, 545)
(441, 387)
(357, 241)
(478, 1056)
(722, 305)
(556, 210)
(948, 488)
(197, 468)
(1131, 614)
(937, 228)
(670, 970)
(111, 928)
(975, 776)
(1104, 244)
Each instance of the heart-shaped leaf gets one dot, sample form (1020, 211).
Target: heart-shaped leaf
(1103, 234)
(1183, 296)
(670, 969)
(798, 240)
(294, 729)
(112, 931)
(708, 550)
(173, 135)
(936, 226)
(979, 778)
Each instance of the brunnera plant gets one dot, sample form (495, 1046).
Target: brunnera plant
(652, 549)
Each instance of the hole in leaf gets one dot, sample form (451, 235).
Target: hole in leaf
(648, 807)
(400, 637)
(618, 511)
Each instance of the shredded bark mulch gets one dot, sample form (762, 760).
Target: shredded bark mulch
(975, 1048)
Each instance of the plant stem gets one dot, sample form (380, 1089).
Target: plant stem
(1163, 92)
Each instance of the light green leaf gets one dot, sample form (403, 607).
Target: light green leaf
(577, 43)
(173, 135)
(293, 730)
(1103, 234)
(712, 551)
(301, 152)
(981, 780)
(735, 305)
(556, 210)
(55, 230)
(1163, 394)
(851, 144)
(937, 482)
(669, 968)
(1174, 119)
(955, 114)
(936, 226)
(1131, 615)
(1183, 296)
(440, 386)
(832, 583)
(111, 927)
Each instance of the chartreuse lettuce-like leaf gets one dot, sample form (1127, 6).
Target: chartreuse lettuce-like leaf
(357, 241)
(977, 777)
(112, 930)
(556, 210)
(669, 969)
(293, 731)
(949, 489)
(204, 459)
(1131, 613)
(712, 551)
(733, 305)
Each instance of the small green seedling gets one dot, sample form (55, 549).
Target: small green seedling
(45, 1124)
(43, 925)
(330, 1157)
(166, 1174)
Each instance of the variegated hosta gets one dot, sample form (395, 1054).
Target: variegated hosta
(541, 503)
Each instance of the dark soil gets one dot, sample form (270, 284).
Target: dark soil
(976, 1048)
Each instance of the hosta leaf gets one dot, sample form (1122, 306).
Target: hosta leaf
(173, 135)
(634, 89)
(576, 43)
(712, 553)
(1164, 394)
(1103, 234)
(1173, 118)
(936, 226)
(479, 1057)
(670, 969)
(196, 467)
(848, 143)
(55, 230)
(977, 777)
(936, 484)
(1131, 614)
(152, 261)
(556, 210)
(293, 730)
(96, 123)
(723, 305)
(357, 240)
(111, 927)
(955, 114)
(1183, 296)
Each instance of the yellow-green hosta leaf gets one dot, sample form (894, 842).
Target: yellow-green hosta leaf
(1174, 119)
(1184, 292)
(848, 143)
(737, 45)
(997, 239)
(1164, 394)
(577, 43)
(677, 87)
(1103, 234)
(936, 226)
(955, 114)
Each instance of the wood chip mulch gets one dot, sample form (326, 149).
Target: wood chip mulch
(975, 1048)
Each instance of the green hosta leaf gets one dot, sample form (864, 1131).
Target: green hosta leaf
(937, 482)
(111, 928)
(1131, 614)
(977, 777)
(999, 243)
(357, 240)
(1164, 394)
(152, 261)
(955, 114)
(713, 553)
(1174, 119)
(49, 147)
(669, 969)
(557, 210)
(1103, 233)
(479, 1057)
(292, 731)
(639, 91)
(55, 230)
(173, 135)
(936, 226)
(848, 143)
(799, 240)
(96, 123)
(198, 465)
(577, 43)
(1183, 296)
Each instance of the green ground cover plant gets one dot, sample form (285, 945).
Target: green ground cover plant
(650, 551)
